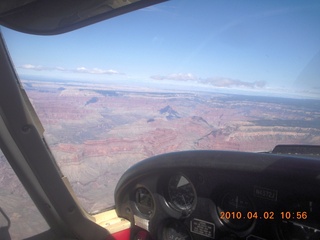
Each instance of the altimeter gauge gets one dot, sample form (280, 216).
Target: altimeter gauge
(181, 193)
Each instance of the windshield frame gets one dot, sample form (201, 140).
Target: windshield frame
(35, 164)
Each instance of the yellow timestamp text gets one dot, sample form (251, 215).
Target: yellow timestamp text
(267, 215)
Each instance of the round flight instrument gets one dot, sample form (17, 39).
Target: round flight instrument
(300, 219)
(144, 201)
(181, 193)
(234, 209)
(175, 230)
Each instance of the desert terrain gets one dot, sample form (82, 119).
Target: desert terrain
(97, 132)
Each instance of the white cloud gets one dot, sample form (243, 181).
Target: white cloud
(77, 70)
(176, 77)
(229, 83)
(34, 67)
(61, 69)
(220, 82)
(95, 71)
(81, 70)
(183, 77)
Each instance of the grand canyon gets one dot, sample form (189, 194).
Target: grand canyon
(96, 132)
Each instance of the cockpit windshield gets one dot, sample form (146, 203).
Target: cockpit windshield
(180, 75)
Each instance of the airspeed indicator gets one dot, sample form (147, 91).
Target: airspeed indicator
(181, 192)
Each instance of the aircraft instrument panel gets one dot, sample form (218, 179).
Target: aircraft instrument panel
(222, 195)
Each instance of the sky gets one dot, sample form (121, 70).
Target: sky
(257, 47)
